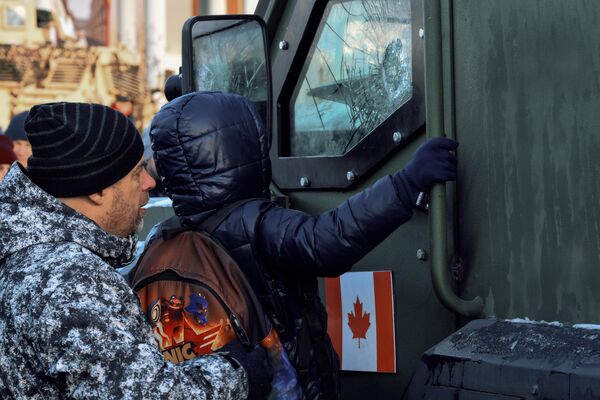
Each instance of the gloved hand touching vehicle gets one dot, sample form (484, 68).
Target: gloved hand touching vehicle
(256, 364)
(433, 162)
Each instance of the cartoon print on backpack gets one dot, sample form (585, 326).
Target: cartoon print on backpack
(198, 307)
(183, 330)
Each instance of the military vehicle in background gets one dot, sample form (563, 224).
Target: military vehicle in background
(350, 88)
(43, 59)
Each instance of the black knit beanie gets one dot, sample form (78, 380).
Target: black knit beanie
(80, 148)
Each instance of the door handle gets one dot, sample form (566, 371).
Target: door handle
(434, 99)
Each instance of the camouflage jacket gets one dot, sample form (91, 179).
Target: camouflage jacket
(70, 326)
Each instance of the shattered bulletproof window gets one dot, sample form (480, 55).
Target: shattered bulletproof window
(358, 72)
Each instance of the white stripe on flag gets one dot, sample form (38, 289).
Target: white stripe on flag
(364, 358)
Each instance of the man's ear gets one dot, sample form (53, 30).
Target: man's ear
(98, 198)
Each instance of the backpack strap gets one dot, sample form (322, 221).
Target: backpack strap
(314, 336)
(170, 228)
(211, 223)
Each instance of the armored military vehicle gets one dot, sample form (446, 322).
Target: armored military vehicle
(495, 283)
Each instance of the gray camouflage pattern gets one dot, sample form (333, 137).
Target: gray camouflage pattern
(70, 326)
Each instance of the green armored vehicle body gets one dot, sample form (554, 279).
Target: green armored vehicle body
(351, 88)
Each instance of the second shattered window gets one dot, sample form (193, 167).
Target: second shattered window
(358, 72)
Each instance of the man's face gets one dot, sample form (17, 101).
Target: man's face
(22, 150)
(4, 170)
(125, 214)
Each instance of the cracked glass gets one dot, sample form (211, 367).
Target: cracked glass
(229, 56)
(358, 72)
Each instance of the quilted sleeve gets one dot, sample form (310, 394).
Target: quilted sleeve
(329, 244)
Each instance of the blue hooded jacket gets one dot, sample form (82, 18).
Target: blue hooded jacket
(211, 149)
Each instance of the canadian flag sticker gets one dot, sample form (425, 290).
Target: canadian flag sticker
(360, 309)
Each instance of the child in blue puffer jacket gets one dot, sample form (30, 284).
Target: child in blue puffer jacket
(211, 150)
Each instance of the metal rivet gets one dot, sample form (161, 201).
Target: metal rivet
(421, 255)
(397, 136)
(421, 33)
(304, 182)
(421, 199)
(535, 390)
(350, 176)
(284, 45)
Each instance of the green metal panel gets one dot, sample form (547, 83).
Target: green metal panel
(527, 101)
(420, 320)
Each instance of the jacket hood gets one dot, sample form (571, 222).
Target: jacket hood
(30, 216)
(210, 149)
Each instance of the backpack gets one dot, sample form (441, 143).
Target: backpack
(194, 294)
(197, 299)
(312, 340)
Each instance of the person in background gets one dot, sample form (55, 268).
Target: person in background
(124, 105)
(71, 327)
(7, 156)
(16, 132)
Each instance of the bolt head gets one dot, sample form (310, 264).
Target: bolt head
(397, 136)
(304, 182)
(421, 33)
(284, 45)
(421, 255)
(350, 176)
(535, 390)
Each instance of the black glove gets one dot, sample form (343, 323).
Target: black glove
(256, 363)
(432, 163)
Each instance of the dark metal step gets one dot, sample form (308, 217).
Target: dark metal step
(496, 359)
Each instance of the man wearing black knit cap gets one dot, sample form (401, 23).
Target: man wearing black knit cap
(71, 326)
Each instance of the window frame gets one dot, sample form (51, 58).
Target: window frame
(5, 24)
(344, 171)
(187, 67)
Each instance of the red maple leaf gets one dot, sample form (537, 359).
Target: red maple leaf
(358, 321)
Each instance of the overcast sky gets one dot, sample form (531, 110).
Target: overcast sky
(80, 8)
